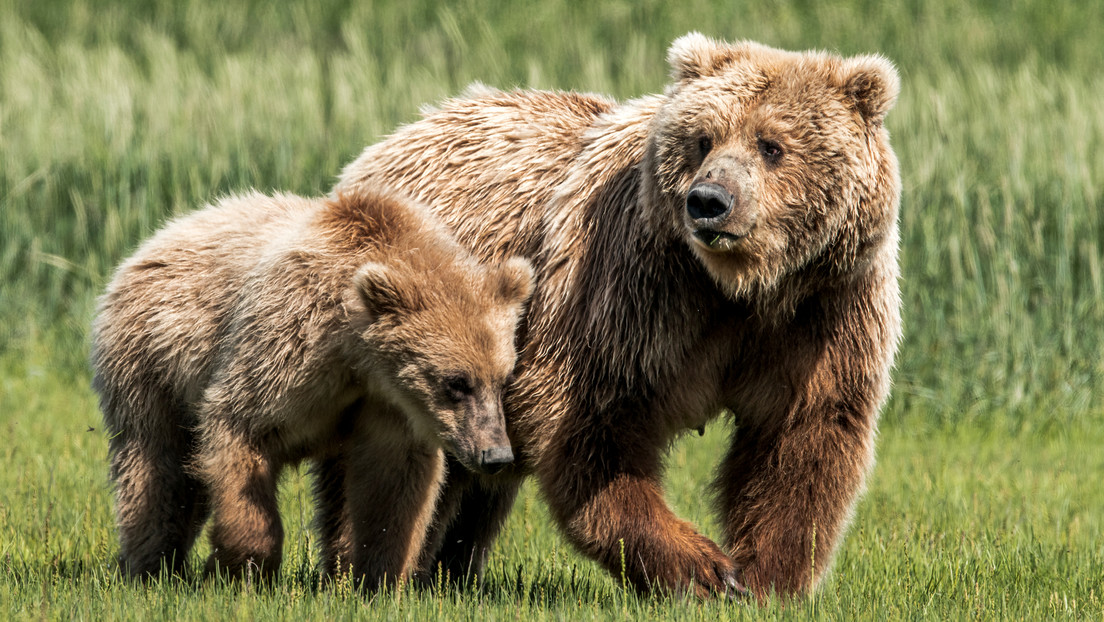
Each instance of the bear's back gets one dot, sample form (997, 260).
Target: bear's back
(496, 155)
(159, 320)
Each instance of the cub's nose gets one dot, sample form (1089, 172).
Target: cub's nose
(495, 458)
(707, 201)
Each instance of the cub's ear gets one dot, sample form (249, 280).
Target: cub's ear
(381, 288)
(695, 55)
(872, 85)
(514, 280)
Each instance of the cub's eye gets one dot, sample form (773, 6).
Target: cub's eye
(458, 388)
(770, 150)
(705, 145)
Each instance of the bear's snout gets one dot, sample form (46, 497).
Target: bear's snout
(708, 201)
(719, 214)
(495, 459)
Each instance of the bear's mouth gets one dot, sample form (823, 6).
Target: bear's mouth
(717, 240)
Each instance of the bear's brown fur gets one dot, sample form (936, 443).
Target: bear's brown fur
(264, 330)
(727, 246)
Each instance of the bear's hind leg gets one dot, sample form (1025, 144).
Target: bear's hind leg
(160, 507)
(331, 517)
(470, 515)
(246, 534)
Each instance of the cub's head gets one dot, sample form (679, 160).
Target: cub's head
(768, 163)
(440, 345)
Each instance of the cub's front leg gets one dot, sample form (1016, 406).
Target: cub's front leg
(391, 485)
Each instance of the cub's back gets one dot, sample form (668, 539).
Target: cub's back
(158, 321)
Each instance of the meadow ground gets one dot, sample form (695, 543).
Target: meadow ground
(986, 500)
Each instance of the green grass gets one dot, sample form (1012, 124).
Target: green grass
(986, 500)
(956, 524)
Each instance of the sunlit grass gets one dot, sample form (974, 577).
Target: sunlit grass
(955, 523)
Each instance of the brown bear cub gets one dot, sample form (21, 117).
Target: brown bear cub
(265, 330)
(726, 246)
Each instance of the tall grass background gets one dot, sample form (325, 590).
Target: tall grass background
(986, 502)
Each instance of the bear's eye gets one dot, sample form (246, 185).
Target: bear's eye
(705, 145)
(770, 150)
(458, 387)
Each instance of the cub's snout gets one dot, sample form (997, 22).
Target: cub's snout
(482, 445)
(495, 459)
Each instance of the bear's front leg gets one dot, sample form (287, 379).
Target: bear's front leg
(246, 534)
(785, 497)
(803, 446)
(602, 484)
(391, 487)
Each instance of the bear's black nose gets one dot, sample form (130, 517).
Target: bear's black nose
(707, 201)
(495, 458)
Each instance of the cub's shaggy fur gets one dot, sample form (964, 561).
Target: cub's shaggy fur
(264, 330)
(727, 246)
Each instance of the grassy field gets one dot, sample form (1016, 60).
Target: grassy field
(986, 501)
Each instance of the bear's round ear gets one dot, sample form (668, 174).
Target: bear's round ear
(514, 281)
(379, 288)
(872, 85)
(695, 55)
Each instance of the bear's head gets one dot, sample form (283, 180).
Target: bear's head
(771, 163)
(440, 346)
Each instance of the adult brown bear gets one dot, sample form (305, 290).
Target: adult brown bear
(728, 245)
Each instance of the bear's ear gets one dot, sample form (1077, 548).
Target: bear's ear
(695, 55)
(380, 288)
(514, 280)
(872, 84)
